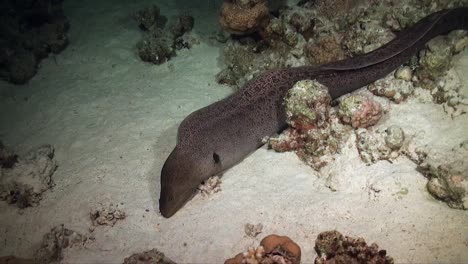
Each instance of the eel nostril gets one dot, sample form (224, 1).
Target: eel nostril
(216, 158)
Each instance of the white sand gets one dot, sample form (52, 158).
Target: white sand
(113, 121)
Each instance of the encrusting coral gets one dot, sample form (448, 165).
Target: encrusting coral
(273, 249)
(244, 16)
(333, 248)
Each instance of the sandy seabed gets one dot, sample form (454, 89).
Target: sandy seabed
(113, 120)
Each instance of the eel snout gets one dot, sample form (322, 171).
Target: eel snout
(180, 177)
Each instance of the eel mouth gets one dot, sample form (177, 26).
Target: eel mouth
(169, 205)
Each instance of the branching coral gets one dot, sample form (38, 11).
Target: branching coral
(244, 16)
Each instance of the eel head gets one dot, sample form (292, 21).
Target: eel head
(181, 175)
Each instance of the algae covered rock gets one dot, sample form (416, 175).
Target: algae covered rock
(395, 86)
(307, 105)
(315, 133)
(359, 111)
(448, 176)
(379, 145)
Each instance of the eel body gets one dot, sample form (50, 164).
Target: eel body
(220, 135)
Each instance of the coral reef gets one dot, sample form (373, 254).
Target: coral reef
(315, 132)
(359, 111)
(54, 242)
(152, 256)
(24, 183)
(28, 33)
(252, 230)
(332, 247)
(244, 16)
(161, 42)
(210, 186)
(448, 176)
(273, 249)
(379, 145)
(106, 215)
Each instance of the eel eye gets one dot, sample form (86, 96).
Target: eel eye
(216, 158)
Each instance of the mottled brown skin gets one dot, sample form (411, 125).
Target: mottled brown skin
(220, 135)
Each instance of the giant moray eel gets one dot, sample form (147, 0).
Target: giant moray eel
(220, 135)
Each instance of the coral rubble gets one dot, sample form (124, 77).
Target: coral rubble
(273, 249)
(448, 176)
(106, 215)
(152, 256)
(332, 247)
(211, 186)
(161, 41)
(54, 242)
(24, 183)
(379, 145)
(29, 31)
(252, 230)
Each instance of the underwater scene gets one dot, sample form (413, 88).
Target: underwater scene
(233, 131)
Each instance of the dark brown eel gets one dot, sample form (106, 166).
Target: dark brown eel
(220, 135)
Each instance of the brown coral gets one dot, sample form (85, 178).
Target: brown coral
(272, 249)
(244, 17)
